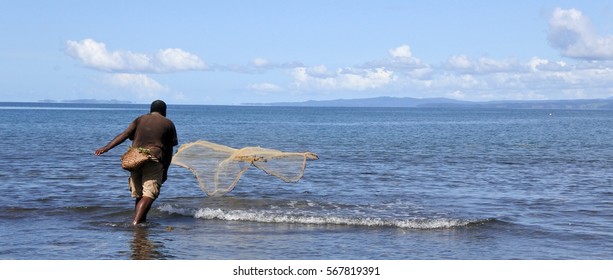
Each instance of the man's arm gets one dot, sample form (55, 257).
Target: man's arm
(120, 138)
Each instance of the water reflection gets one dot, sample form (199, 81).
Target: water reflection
(143, 248)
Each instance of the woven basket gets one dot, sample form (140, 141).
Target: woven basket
(134, 158)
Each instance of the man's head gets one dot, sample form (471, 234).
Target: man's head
(159, 106)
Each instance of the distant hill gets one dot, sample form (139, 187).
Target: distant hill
(578, 104)
(384, 101)
(409, 102)
(86, 101)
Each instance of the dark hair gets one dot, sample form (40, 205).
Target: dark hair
(159, 106)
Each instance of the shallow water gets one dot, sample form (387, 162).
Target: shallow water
(390, 183)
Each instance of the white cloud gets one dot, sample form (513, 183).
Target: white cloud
(260, 62)
(95, 55)
(462, 77)
(401, 58)
(169, 60)
(539, 64)
(362, 80)
(255, 66)
(482, 65)
(572, 33)
(142, 85)
(320, 71)
(265, 87)
(398, 72)
(483, 78)
(450, 80)
(343, 79)
(403, 51)
(535, 62)
(459, 62)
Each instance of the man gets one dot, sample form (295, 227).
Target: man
(155, 132)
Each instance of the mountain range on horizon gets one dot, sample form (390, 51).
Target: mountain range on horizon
(410, 102)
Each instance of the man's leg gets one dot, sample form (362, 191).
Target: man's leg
(136, 203)
(141, 208)
(152, 175)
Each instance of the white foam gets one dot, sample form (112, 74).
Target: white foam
(269, 217)
(176, 210)
(295, 217)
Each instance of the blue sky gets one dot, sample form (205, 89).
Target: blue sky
(233, 52)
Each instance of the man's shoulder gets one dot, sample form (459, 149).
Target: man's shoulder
(153, 116)
(166, 121)
(154, 119)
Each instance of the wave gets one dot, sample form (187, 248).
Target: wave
(263, 216)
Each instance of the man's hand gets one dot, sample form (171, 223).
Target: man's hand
(100, 151)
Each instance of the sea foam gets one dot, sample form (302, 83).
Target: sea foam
(265, 216)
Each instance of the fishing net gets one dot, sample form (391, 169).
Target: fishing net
(218, 168)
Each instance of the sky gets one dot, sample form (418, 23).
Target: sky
(236, 52)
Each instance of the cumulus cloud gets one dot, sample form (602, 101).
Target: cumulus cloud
(170, 60)
(540, 64)
(142, 85)
(342, 79)
(400, 58)
(402, 52)
(402, 73)
(459, 62)
(399, 71)
(465, 64)
(574, 36)
(95, 55)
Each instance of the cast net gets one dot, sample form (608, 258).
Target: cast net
(218, 168)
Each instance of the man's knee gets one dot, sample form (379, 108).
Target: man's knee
(151, 189)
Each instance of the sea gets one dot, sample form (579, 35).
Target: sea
(389, 184)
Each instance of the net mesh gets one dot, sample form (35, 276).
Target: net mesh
(218, 168)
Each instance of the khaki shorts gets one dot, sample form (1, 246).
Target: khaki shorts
(147, 180)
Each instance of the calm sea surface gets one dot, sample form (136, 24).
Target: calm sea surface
(390, 183)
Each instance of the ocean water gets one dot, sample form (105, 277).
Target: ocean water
(390, 183)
